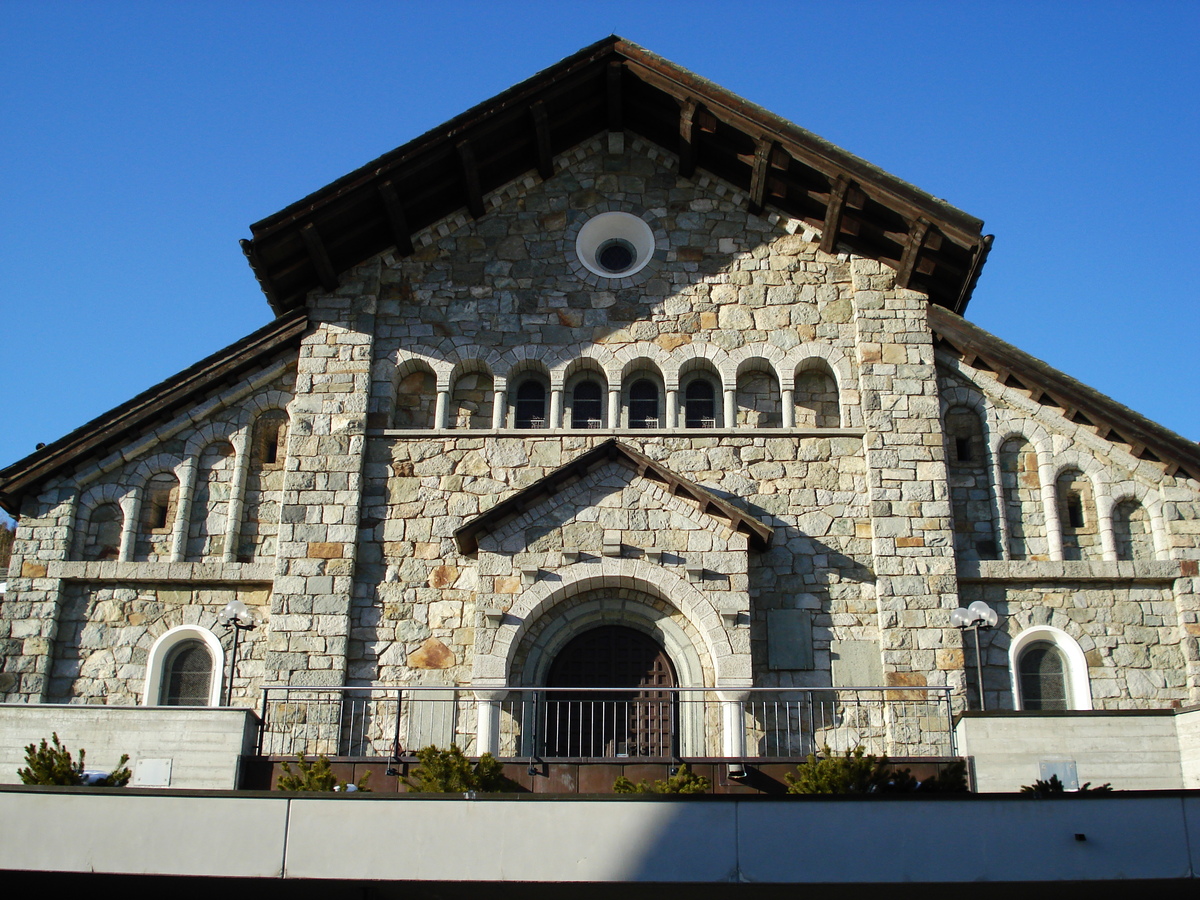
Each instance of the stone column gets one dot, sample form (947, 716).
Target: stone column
(614, 407)
(556, 408)
(237, 493)
(183, 509)
(730, 416)
(499, 409)
(789, 407)
(1050, 509)
(441, 410)
(671, 412)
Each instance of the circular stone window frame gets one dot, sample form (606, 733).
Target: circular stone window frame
(591, 230)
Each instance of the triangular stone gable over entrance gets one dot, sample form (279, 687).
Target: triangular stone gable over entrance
(757, 533)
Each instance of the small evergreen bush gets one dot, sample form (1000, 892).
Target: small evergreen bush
(1054, 787)
(316, 776)
(52, 764)
(682, 782)
(859, 772)
(450, 772)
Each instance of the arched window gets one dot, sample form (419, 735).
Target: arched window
(1043, 677)
(187, 680)
(531, 405)
(1077, 515)
(970, 485)
(1049, 670)
(587, 405)
(700, 405)
(160, 498)
(643, 404)
(184, 668)
(1131, 531)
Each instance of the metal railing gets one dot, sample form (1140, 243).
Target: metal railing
(606, 723)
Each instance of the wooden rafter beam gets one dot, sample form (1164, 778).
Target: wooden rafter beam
(833, 213)
(541, 132)
(758, 175)
(318, 256)
(687, 139)
(912, 249)
(471, 184)
(397, 220)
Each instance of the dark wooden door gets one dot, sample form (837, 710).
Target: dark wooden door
(637, 721)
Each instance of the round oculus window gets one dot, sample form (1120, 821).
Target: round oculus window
(614, 244)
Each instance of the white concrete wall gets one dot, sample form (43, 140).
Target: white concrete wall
(632, 840)
(183, 747)
(1134, 751)
(1188, 726)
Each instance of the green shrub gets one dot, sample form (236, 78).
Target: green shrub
(1054, 787)
(316, 776)
(52, 764)
(858, 772)
(450, 772)
(683, 781)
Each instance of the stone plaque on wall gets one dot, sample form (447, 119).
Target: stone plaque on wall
(856, 663)
(789, 639)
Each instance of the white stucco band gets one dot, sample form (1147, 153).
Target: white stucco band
(728, 652)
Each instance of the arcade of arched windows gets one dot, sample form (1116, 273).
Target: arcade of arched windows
(637, 392)
(1011, 501)
(218, 501)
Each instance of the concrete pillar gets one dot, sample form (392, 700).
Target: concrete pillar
(487, 713)
(733, 723)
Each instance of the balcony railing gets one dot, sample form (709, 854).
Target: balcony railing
(606, 723)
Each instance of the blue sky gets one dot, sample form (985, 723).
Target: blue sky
(142, 139)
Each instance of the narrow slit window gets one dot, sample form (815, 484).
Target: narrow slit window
(1075, 510)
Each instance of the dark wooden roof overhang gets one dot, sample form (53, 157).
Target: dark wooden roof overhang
(612, 450)
(1076, 401)
(149, 409)
(615, 85)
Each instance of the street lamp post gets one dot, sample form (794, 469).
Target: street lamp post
(976, 616)
(238, 616)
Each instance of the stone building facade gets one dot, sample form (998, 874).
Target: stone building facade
(661, 378)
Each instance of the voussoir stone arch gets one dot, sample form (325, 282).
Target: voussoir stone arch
(525, 358)
(261, 403)
(595, 358)
(641, 356)
(696, 357)
(731, 667)
(800, 358)
(754, 357)
(212, 433)
(1150, 500)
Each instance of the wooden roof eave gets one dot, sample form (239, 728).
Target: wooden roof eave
(1075, 398)
(551, 102)
(467, 535)
(142, 412)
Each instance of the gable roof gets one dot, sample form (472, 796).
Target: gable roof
(1078, 402)
(99, 437)
(467, 535)
(615, 85)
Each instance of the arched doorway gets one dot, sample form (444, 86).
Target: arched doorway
(635, 719)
